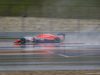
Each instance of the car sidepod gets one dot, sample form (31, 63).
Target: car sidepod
(38, 40)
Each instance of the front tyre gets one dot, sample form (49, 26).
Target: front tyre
(22, 40)
(56, 40)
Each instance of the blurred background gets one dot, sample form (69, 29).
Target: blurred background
(49, 15)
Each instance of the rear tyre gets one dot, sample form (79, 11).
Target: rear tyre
(22, 40)
(56, 40)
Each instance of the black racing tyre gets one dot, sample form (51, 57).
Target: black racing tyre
(22, 40)
(56, 40)
(34, 40)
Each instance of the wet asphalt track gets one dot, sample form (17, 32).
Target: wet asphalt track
(49, 56)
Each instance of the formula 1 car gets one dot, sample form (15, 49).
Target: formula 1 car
(42, 38)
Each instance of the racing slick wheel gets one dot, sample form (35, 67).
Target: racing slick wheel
(56, 40)
(22, 40)
(34, 40)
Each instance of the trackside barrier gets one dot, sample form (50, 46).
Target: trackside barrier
(21, 34)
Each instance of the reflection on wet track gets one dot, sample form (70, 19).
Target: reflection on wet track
(49, 56)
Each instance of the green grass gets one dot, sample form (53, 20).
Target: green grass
(6, 1)
(60, 10)
(9, 38)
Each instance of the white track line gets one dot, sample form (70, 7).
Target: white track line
(62, 55)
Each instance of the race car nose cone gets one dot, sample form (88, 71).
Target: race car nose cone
(16, 41)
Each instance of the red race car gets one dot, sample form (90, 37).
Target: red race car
(42, 38)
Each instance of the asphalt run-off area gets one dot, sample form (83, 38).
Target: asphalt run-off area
(49, 56)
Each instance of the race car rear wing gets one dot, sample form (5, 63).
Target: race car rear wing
(62, 35)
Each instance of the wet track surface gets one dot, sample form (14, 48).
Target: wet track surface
(49, 56)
